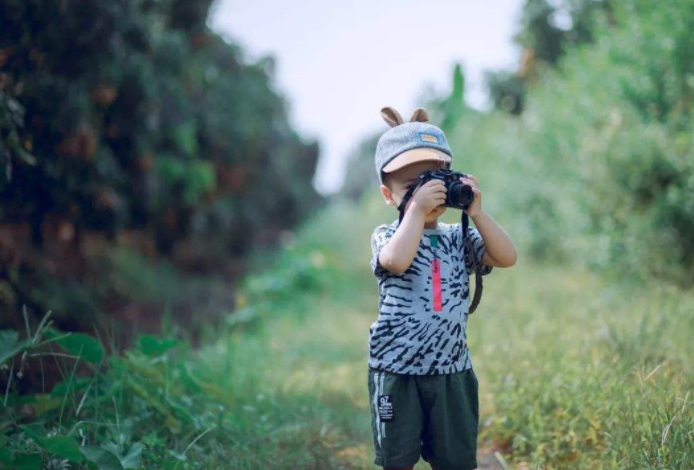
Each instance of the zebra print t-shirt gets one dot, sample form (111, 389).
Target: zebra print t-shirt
(421, 327)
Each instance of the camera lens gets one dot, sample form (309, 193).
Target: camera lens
(460, 195)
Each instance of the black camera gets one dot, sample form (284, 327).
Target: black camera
(458, 194)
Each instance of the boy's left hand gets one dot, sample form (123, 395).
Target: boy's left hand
(476, 207)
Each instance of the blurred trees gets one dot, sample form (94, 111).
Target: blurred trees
(547, 29)
(133, 116)
(613, 130)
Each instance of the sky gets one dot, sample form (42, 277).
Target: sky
(339, 63)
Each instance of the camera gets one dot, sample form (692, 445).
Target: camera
(458, 195)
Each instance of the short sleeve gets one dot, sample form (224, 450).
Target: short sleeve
(478, 249)
(379, 238)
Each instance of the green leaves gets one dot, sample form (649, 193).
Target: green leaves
(80, 344)
(61, 446)
(112, 456)
(195, 176)
(151, 345)
(108, 456)
(10, 344)
(102, 458)
(26, 462)
(11, 126)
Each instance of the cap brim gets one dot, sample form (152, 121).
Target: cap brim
(416, 155)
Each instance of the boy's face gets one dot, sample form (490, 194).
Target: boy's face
(400, 180)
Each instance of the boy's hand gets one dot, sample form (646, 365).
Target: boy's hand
(428, 196)
(476, 207)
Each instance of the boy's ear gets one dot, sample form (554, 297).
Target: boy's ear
(420, 115)
(391, 116)
(387, 195)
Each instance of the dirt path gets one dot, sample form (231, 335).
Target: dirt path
(486, 460)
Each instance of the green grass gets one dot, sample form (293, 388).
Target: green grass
(580, 374)
(574, 373)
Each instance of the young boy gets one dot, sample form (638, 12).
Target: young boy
(422, 387)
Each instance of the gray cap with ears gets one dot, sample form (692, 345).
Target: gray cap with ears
(409, 142)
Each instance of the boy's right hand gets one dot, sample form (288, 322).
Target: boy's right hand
(428, 196)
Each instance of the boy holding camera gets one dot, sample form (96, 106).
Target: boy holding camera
(422, 388)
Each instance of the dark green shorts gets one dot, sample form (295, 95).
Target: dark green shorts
(435, 416)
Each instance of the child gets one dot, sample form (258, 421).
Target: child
(422, 387)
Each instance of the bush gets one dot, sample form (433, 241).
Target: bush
(611, 131)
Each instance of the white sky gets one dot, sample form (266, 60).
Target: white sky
(339, 63)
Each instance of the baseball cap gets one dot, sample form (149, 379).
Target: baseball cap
(409, 142)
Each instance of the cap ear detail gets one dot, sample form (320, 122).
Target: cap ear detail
(391, 116)
(420, 115)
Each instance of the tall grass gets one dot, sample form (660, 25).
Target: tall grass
(585, 374)
(574, 372)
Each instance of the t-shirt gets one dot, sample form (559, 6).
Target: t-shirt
(421, 327)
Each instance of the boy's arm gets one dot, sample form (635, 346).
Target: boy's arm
(397, 255)
(499, 247)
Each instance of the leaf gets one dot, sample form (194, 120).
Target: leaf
(5, 458)
(34, 431)
(27, 462)
(91, 349)
(27, 157)
(129, 459)
(63, 446)
(185, 136)
(101, 457)
(154, 346)
(132, 458)
(78, 383)
(177, 455)
(46, 402)
(10, 344)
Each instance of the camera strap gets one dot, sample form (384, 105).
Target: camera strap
(467, 245)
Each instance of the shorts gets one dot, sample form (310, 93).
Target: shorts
(435, 416)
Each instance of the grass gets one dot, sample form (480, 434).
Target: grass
(574, 373)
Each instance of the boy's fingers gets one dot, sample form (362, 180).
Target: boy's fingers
(469, 182)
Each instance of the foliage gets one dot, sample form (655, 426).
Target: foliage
(160, 404)
(138, 116)
(549, 28)
(614, 129)
(452, 107)
(132, 116)
(11, 123)
(546, 31)
(506, 90)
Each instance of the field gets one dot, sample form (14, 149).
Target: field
(574, 373)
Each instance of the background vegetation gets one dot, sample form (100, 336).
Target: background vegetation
(582, 349)
(136, 143)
